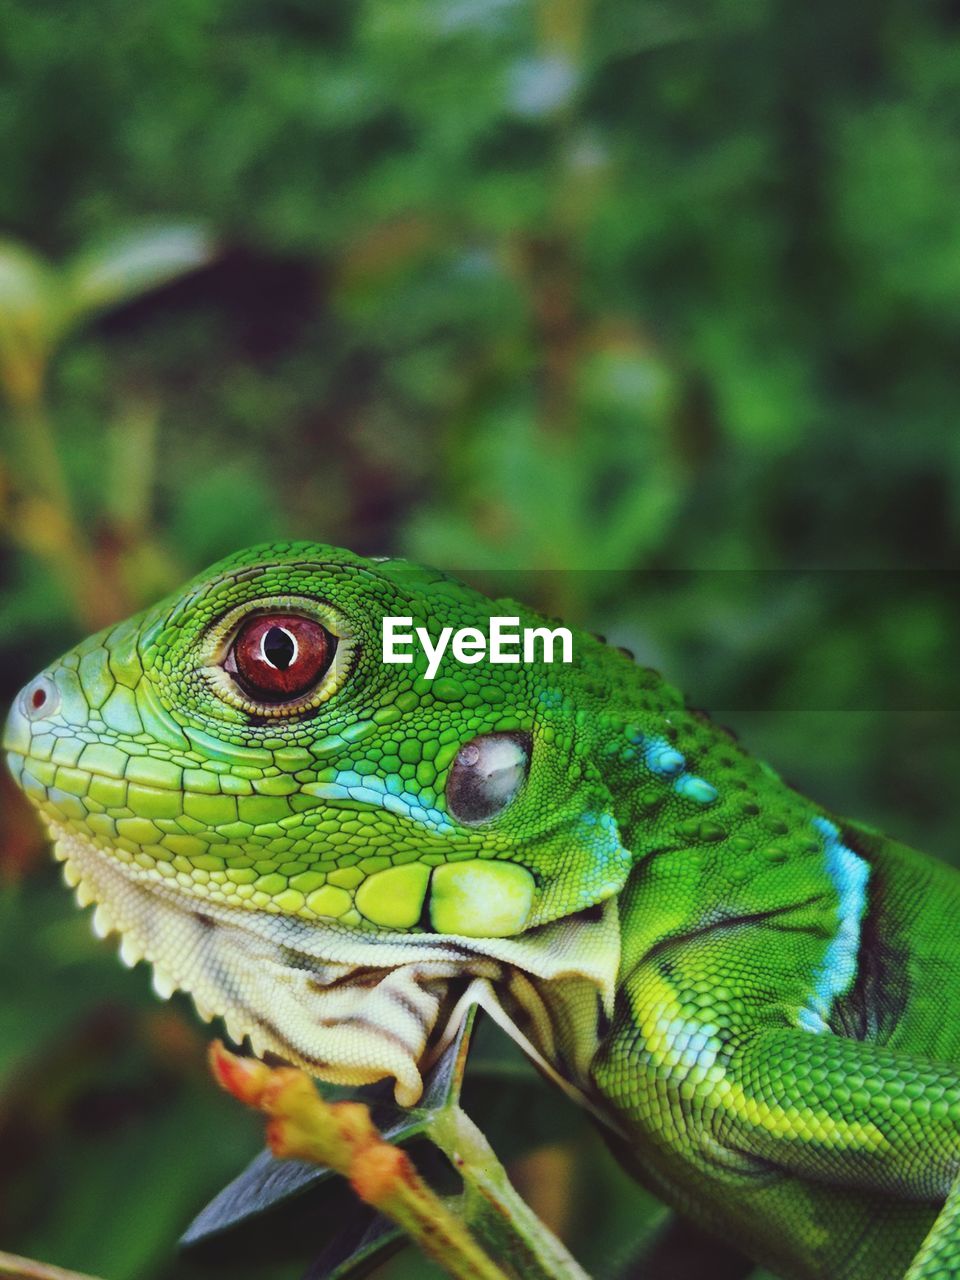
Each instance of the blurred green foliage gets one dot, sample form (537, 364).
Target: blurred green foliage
(644, 311)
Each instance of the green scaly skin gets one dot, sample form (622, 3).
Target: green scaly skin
(758, 1000)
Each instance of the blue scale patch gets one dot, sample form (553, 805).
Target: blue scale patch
(662, 759)
(690, 787)
(598, 835)
(836, 971)
(366, 789)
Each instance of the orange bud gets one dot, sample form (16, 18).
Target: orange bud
(245, 1078)
(377, 1171)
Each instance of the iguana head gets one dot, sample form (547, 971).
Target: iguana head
(237, 778)
(245, 740)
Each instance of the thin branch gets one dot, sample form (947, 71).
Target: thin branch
(501, 1212)
(14, 1268)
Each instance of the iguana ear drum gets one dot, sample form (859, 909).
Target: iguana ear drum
(487, 775)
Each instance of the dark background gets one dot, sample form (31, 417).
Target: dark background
(647, 313)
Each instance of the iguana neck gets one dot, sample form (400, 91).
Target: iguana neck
(677, 779)
(722, 846)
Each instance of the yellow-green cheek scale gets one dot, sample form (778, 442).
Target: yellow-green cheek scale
(477, 898)
(481, 899)
(394, 898)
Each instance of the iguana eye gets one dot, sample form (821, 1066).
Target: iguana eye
(280, 657)
(486, 776)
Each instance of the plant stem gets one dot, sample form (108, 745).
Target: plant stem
(14, 1268)
(496, 1209)
(49, 526)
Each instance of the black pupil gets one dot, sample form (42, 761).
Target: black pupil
(279, 648)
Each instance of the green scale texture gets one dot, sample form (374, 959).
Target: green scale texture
(778, 1054)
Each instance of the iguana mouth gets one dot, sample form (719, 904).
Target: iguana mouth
(349, 1005)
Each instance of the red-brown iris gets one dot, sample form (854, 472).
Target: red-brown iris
(280, 657)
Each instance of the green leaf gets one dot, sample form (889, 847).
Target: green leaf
(355, 1253)
(127, 266)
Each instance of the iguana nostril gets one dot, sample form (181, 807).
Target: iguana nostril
(40, 699)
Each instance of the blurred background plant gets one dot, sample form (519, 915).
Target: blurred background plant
(645, 312)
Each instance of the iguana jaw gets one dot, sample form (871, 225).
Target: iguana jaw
(350, 1006)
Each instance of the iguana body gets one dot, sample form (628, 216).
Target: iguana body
(756, 998)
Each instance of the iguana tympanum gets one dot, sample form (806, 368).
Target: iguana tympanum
(337, 854)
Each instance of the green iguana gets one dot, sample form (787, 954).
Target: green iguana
(338, 855)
